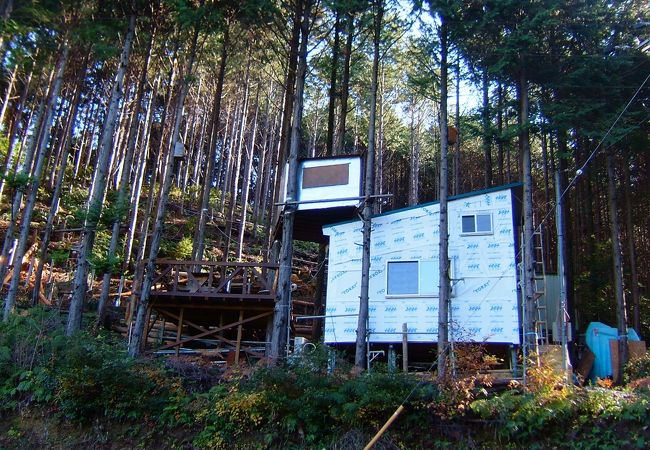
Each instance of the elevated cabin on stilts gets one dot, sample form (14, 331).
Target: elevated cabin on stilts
(485, 307)
(225, 308)
(328, 191)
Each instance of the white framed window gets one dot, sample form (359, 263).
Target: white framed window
(480, 223)
(412, 278)
(403, 278)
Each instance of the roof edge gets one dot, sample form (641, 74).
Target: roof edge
(503, 187)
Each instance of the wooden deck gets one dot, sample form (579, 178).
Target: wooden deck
(210, 280)
(221, 307)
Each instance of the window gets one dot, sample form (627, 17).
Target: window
(476, 223)
(402, 278)
(412, 278)
(324, 176)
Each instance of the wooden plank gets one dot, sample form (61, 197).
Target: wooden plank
(585, 364)
(635, 350)
(217, 330)
(197, 327)
(228, 278)
(209, 294)
(175, 262)
(179, 330)
(166, 271)
(239, 332)
(216, 306)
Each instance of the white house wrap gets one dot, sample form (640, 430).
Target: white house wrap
(404, 272)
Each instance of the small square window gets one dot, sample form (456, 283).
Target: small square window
(402, 278)
(476, 223)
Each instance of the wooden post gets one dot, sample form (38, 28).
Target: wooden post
(405, 348)
(179, 331)
(161, 334)
(239, 332)
(269, 336)
(143, 342)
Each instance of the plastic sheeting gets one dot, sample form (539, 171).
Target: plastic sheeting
(598, 337)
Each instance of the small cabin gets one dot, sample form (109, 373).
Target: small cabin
(328, 191)
(403, 284)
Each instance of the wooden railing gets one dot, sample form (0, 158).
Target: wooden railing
(211, 279)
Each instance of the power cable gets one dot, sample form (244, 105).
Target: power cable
(518, 254)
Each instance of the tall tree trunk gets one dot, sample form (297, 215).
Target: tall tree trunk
(487, 139)
(530, 335)
(141, 170)
(235, 131)
(379, 163)
(289, 95)
(568, 236)
(331, 108)
(269, 181)
(443, 262)
(25, 225)
(339, 138)
(281, 313)
(122, 201)
(262, 170)
(617, 266)
(22, 170)
(5, 101)
(66, 144)
(96, 197)
(156, 236)
(237, 167)
(245, 186)
(369, 184)
(14, 129)
(212, 153)
(631, 249)
(414, 178)
(456, 190)
(144, 226)
(500, 133)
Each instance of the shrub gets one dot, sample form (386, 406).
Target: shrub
(184, 248)
(29, 343)
(638, 368)
(95, 378)
(85, 376)
(302, 406)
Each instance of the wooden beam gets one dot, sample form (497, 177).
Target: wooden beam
(217, 306)
(230, 277)
(239, 332)
(191, 324)
(213, 294)
(215, 331)
(179, 330)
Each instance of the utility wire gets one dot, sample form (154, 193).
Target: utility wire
(518, 254)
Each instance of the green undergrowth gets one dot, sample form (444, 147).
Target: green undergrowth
(85, 392)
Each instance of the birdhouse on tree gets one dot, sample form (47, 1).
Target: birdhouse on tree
(452, 135)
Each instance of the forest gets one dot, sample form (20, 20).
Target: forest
(132, 130)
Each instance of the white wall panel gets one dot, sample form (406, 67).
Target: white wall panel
(484, 293)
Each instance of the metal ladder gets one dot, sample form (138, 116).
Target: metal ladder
(539, 280)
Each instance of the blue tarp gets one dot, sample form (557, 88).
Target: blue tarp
(598, 337)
